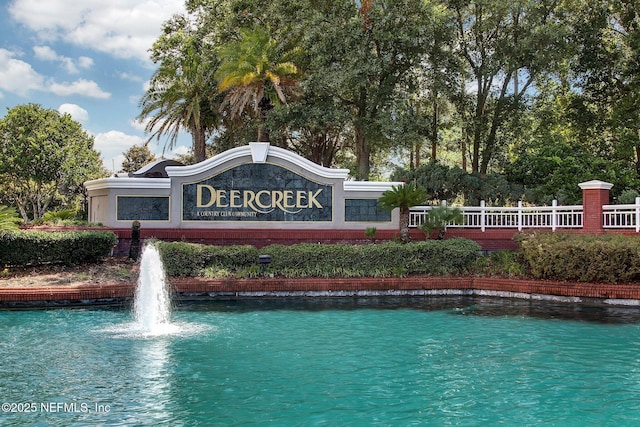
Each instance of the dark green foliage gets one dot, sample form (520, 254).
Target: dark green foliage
(45, 156)
(442, 182)
(55, 217)
(190, 259)
(316, 260)
(606, 258)
(502, 264)
(403, 197)
(439, 217)
(22, 248)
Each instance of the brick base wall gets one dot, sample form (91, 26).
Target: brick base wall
(194, 287)
(489, 240)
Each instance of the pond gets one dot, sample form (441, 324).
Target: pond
(309, 362)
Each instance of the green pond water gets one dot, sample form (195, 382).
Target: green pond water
(327, 362)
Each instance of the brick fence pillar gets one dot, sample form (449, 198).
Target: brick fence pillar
(594, 194)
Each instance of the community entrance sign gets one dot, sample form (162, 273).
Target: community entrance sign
(257, 192)
(254, 186)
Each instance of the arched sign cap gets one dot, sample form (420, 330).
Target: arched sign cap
(259, 153)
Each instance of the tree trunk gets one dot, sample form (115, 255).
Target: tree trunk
(199, 145)
(363, 154)
(411, 163)
(479, 122)
(491, 141)
(463, 142)
(263, 135)
(434, 129)
(404, 225)
(263, 107)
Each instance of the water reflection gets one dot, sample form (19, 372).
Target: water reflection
(459, 305)
(152, 369)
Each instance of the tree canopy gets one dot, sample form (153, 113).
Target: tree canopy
(136, 157)
(529, 91)
(45, 157)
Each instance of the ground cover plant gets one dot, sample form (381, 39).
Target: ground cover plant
(452, 256)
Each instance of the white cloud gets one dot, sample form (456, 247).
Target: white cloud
(77, 113)
(82, 87)
(115, 140)
(85, 62)
(122, 28)
(112, 145)
(17, 76)
(180, 150)
(139, 124)
(45, 53)
(128, 76)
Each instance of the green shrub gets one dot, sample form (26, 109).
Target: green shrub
(605, 258)
(501, 263)
(191, 259)
(319, 260)
(22, 248)
(628, 197)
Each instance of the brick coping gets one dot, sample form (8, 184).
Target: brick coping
(196, 288)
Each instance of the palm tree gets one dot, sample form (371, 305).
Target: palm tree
(256, 74)
(8, 218)
(403, 197)
(439, 218)
(182, 98)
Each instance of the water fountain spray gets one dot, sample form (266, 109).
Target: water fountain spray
(152, 304)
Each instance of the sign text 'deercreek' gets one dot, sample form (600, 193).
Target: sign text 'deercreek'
(263, 201)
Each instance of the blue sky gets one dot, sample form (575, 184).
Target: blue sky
(88, 59)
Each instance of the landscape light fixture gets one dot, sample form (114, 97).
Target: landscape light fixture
(264, 261)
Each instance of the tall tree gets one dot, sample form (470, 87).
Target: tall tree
(182, 92)
(608, 72)
(506, 46)
(363, 53)
(45, 157)
(256, 74)
(136, 157)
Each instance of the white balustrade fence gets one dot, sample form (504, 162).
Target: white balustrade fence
(622, 216)
(520, 217)
(612, 217)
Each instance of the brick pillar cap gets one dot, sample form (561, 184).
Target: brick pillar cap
(595, 185)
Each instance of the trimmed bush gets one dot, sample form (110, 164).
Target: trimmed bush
(559, 256)
(320, 260)
(192, 259)
(22, 248)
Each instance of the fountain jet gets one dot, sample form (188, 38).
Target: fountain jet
(152, 304)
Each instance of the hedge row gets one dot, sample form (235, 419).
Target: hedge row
(22, 247)
(320, 260)
(583, 258)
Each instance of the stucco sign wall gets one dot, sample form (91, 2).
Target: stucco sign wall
(257, 192)
(249, 187)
